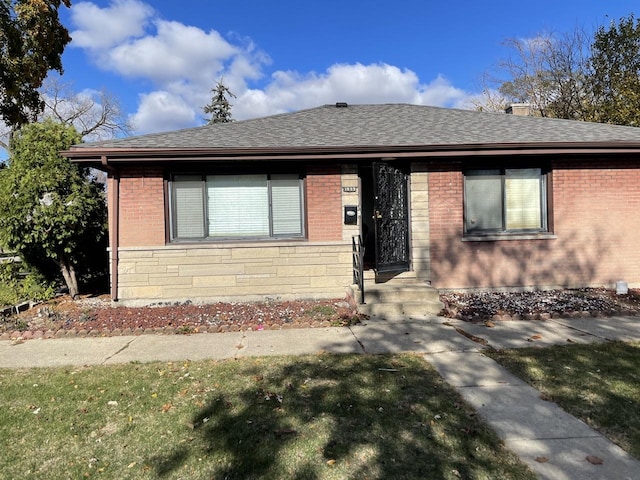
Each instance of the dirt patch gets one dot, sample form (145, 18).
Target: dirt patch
(537, 305)
(98, 316)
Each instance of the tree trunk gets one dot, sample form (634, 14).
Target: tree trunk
(69, 274)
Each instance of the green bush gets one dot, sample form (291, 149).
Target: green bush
(18, 283)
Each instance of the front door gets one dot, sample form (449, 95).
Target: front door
(391, 218)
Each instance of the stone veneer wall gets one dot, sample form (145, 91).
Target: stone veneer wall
(419, 212)
(245, 272)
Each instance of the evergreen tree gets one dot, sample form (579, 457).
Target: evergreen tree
(219, 109)
(50, 211)
(614, 78)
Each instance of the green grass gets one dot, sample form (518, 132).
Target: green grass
(598, 383)
(313, 417)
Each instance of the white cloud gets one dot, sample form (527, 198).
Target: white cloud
(99, 28)
(441, 93)
(182, 63)
(176, 51)
(160, 110)
(377, 83)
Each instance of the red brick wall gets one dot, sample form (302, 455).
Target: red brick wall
(142, 205)
(324, 203)
(594, 216)
(142, 210)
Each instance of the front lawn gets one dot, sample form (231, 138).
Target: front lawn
(312, 417)
(598, 383)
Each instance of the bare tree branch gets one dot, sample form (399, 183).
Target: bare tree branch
(95, 114)
(547, 72)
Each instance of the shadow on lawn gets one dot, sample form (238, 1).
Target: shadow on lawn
(597, 383)
(334, 416)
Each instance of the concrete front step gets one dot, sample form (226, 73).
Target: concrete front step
(393, 311)
(397, 300)
(400, 293)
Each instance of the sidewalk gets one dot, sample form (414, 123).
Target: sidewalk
(529, 426)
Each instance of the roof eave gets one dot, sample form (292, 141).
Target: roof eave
(104, 156)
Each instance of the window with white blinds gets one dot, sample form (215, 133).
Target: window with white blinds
(286, 205)
(188, 206)
(523, 199)
(236, 206)
(505, 201)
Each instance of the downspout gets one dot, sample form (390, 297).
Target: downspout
(114, 230)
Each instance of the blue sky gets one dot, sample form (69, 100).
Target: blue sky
(161, 58)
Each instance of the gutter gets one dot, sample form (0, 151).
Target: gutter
(93, 155)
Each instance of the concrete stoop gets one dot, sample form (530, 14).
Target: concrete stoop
(398, 300)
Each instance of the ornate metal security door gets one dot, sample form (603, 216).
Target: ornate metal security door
(391, 218)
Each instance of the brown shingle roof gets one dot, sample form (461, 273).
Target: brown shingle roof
(388, 125)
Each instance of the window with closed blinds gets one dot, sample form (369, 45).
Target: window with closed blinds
(505, 201)
(286, 205)
(523, 199)
(236, 206)
(188, 208)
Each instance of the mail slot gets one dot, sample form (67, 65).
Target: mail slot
(350, 215)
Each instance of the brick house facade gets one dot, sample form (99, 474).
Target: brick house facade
(557, 203)
(594, 205)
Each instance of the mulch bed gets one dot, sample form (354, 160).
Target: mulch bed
(97, 316)
(63, 317)
(539, 305)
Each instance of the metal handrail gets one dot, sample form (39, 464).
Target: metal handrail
(357, 248)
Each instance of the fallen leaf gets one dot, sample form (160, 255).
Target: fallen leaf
(132, 464)
(545, 397)
(536, 337)
(166, 407)
(570, 341)
(593, 460)
(489, 324)
(542, 459)
(331, 462)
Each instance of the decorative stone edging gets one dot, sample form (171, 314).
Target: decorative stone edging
(545, 316)
(17, 335)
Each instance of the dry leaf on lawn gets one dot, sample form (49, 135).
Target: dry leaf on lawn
(592, 459)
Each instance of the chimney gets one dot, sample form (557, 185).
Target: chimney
(520, 109)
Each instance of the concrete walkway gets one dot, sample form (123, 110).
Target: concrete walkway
(530, 427)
